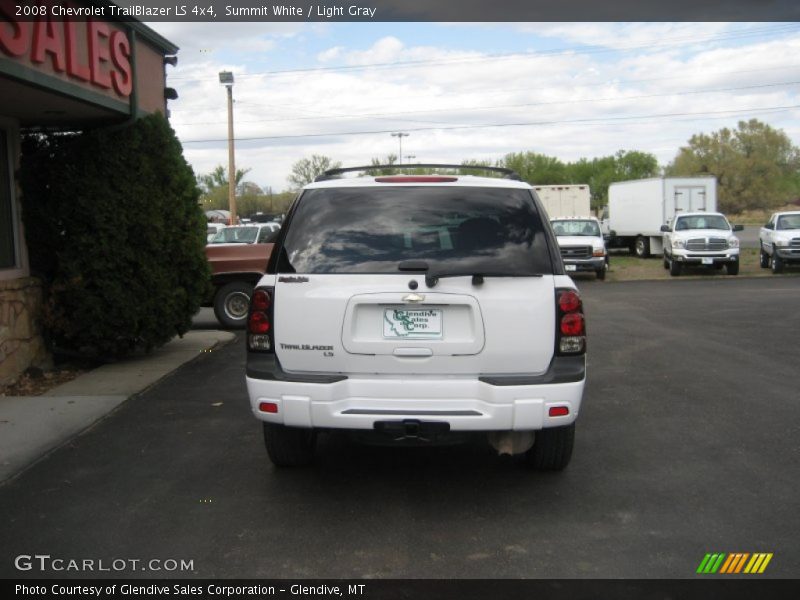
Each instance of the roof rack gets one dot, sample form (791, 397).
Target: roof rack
(333, 173)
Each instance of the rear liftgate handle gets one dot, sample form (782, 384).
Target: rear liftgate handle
(413, 352)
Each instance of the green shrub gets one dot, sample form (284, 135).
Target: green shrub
(115, 232)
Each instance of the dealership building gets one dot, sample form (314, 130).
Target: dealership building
(59, 74)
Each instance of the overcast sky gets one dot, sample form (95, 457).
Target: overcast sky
(471, 90)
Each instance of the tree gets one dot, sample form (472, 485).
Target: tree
(250, 199)
(390, 159)
(536, 168)
(598, 173)
(215, 192)
(119, 237)
(219, 178)
(756, 166)
(632, 164)
(305, 170)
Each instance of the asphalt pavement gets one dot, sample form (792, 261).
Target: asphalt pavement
(32, 426)
(687, 444)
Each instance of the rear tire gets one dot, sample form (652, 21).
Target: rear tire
(289, 446)
(231, 303)
(666, 262)
(552, 448)
(733, 268)
(675, 268)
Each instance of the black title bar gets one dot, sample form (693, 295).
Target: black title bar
(407, 10)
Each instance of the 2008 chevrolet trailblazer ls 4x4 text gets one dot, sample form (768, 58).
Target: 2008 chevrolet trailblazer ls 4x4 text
(417, 308)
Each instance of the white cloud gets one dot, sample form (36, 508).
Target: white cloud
(330, 54)
(584, 104)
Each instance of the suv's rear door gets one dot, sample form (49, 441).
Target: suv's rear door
(351, 293)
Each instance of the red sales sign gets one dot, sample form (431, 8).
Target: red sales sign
(87, 51)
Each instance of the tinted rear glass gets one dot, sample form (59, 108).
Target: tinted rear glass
(452, 229)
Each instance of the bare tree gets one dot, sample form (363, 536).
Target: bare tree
(305, 170)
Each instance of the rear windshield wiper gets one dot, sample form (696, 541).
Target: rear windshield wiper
(431, 279)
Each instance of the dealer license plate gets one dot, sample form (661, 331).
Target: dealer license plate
(412, 324)
(570, 267)
(708, 261)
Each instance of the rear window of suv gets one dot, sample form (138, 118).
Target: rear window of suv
(453, 229)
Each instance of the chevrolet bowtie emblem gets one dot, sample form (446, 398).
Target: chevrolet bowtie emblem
(414, 298)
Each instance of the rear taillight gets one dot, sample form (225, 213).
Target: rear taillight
(570, 324)
(259, 322)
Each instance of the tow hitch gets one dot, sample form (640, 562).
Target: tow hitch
(412, 429)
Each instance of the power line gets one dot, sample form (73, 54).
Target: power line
(789, 28)
(504, 91)
(499, 125)
(499, 106)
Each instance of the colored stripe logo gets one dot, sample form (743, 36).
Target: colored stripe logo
(734, 563)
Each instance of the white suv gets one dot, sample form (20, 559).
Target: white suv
(417, 307)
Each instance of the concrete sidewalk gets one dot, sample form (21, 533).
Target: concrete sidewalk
(32, 426)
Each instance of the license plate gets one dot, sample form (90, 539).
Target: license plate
(570, 268)
(708, 261)
(412, 324)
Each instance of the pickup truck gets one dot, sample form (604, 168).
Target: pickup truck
(700, 239)
(235, 269)
(779, 241)
(581, 244)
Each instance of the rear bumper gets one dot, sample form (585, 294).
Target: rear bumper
(488, 403)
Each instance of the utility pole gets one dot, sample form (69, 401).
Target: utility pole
(226, 79)
(400, 135)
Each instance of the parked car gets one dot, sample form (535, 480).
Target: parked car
(238, 257)
(261, 233)
(212, 229)
(700, 239)
(581, 243)
(779, 241)
(417, 309)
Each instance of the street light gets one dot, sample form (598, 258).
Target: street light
(400, 135)
(226, 79)
(410, 156)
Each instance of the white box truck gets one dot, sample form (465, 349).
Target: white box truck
(565, 200)
(637, 209)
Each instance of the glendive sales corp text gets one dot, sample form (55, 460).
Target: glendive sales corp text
(179, 589)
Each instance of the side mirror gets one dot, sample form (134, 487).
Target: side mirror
(738, 227)
(665, 228)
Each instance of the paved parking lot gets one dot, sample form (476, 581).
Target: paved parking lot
(687, 444)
